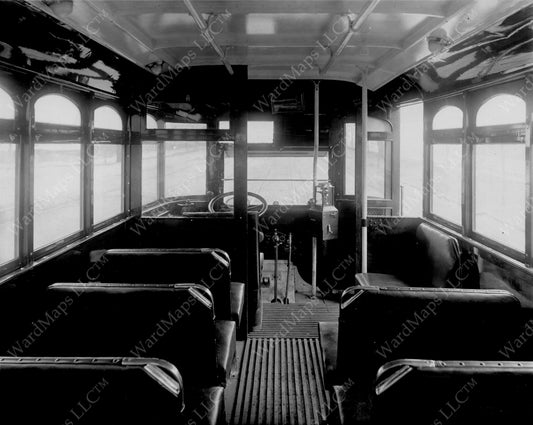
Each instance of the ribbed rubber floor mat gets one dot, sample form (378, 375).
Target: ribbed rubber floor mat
(281, 382)
(294, 320)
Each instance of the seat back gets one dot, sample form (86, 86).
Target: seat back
(121, 391)
(170, 322)
(440, 254)
(422, 392)
(378, 325)
(205, 266)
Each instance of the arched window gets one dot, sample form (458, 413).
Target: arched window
(449, 117)
(500, 177)
(501, 110)
(7, 107)
(57, 109)
(108, 164)
(151, 122)
(107, 118)
(57, 171)
(8, 184)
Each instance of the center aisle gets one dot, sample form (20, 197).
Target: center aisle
(281, 382)
(281, 379)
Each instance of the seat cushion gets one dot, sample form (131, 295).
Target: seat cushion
(205, 407)
(379, 280)
(226, 340)
(440, 254)
(237, 301)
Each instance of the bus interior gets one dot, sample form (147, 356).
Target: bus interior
(233, 212)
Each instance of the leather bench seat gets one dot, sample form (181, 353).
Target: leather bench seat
(95, 391)
(438, 257)
(379, 325)
(171, 322)
(207, 266)
(422, 392)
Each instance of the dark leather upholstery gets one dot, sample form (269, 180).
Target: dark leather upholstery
(226, 336)
(172, 322)
(438, 257)
(377, 325)
(121, 391)
(441, 252)
(237, 290)
(421, 392)
(206, 266)
(329, 337)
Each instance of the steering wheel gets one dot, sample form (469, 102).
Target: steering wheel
(219, 204)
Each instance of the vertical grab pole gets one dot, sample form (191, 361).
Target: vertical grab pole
(364, 148)
(315, 181)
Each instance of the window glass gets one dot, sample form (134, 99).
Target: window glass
(57, 175)
(185, 126)
(377, 166)
(260, 131)
(108, 160)
(151, 122)
(499, 195)
(500, 110)
(8, 178)
(446, 175)
(349, 176)
(412, 159)
(377, 174)
(57, 192)
(107, 118)
(8, 187)
(223, 125)
(149, 173)
(287, 180)
(7, 108)
(449, 117)
(185, 168)
(108, 181)
(56, 109)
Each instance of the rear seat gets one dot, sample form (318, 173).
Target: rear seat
(207, 266)
(378, 325)
(172, 322)
(423, 392)
(95, 391)
(438, 258)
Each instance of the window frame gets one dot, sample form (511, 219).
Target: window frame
(498, 134)
(12, 132)
(391, 189)
(469, 137)
(36, 136)
(455, 136)
(109, 137)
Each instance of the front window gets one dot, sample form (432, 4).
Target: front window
(285, 180)
(185, 168)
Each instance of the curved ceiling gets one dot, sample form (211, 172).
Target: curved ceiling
(305, 39)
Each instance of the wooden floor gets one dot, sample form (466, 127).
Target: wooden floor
(281, 381)
(295, 320)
